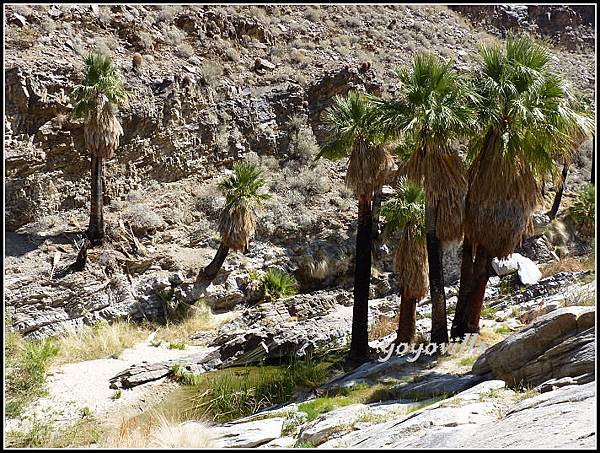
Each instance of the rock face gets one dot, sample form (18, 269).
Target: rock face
(571, 26)
(562, 418)
(248, 434)
(557, 345)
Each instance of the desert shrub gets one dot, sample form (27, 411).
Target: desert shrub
(172, 35)
(167, 12)
(313, 13)
(232, 54)
(146, 41)
(297, 56)
(184, 50)
(105, 46)
(279, 284)
(142, 219)
(383, 326)
(27, 362)
(210, 72)
(303, 144)
(583, 210)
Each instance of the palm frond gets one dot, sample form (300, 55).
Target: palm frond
(100, 78)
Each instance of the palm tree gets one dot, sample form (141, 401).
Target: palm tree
(237, 222)
(406, 212)
(95, 100)
(578, 136)
(352, 134)
(526, 119)
(431, 112)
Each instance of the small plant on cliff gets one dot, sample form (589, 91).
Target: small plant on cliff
(95, 100)
(583, 210)
(243, 191)
(278, 284)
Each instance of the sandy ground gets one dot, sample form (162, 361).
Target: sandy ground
(75, 386)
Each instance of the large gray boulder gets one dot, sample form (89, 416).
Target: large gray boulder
(559, 344)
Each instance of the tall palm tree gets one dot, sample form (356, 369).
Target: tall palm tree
(352, 134)
(406, 212)
(96, 100)
(237, 223)
(432, 110)
(526, 119)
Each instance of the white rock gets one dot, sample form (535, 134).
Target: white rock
(528, 271)
(247, 435)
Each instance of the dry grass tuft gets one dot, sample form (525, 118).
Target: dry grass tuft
(383, 327)
(568, 264)
(99, 341)
(158, 432)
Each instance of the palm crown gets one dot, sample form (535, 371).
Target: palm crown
(237, 223)
(243, 186)
(406, 210)
(354, 133)
(434, 105)
(100, 79)
(346, 120)
(529, 108)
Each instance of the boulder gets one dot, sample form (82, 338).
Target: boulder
(330, 423)
(558, 344)
(249, 434)
(527, 270)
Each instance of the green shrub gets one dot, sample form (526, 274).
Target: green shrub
(278, 284)
(184, 376)
(583, 210)
(26, 366)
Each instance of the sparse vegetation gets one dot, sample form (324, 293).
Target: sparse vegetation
(27, 362)
(233, 393)
(583, 210)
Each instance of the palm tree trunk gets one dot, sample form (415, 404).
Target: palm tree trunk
(559, 193)
(408, 320)
(359, 346)
(439, 327)
(95, 230)
(482, 269)
(459, 323)
(593, 171)
(377, 198)
(213, 268)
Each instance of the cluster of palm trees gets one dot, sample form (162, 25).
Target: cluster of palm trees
(517, 118)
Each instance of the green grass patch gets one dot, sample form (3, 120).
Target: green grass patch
(27, 362)
(489, 312)
(233, 393)
(503, 330)
(467, 361)
(177, 345)
(85, 432)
